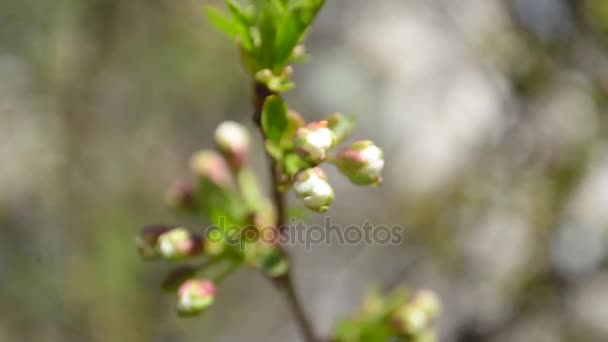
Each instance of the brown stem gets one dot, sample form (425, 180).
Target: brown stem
(284, 283)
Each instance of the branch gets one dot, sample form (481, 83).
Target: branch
(284, 283)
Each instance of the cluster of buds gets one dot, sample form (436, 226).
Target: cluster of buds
(414, 317)
(276, 83)
(311, 185)
(361, 162)
(407, 318)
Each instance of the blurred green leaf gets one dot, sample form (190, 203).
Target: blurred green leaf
(270, 14)
(341, 125)
(291, 29)
(293, 163)
(274, 119)
(250, 189)
(222, 22)
(243, 23)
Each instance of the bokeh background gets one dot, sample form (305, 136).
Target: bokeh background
(492, 115)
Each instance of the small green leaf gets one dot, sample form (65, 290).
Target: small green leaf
(243, 23)
(238, 13)
(341, 125)
(274, 119)
(293, 163)
(292, 28)
(269, 17)
(222, 22)
(250, 189)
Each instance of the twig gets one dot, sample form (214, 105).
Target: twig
(283, 283)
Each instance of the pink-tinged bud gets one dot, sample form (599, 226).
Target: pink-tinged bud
(233, 140)
(178, 244)
(313, 141)
(362, 162)
(147, 239)
(194, 296)
(181, 196)
(212, 166)
(311, 185)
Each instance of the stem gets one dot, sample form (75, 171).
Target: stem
(283, 283)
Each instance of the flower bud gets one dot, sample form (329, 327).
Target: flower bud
(181, 196)
(415, 316)
(179, 243)
(428, 301)
(362, 163)
(411, 320)
(298, 52)
(194, 296)
(147, 239)
(233, 140)
(313, 141)
(212, 166)
(311, 185)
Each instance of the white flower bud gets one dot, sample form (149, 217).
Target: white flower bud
(194, 296)
(311, 185)
(178, 244)
(212, 166)
(362, 162)
(313, 141)
(233, 140)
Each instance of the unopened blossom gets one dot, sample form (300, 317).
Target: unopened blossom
(362, 162)
(311, 185)
(415, 316)
(313, 141)
(179, 243)
(181, 196)
(194, 296)
(232, 140)
(211, 165)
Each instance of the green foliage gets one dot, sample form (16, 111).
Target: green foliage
(267, 31)
(274, 119)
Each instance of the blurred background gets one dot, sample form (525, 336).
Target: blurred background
(492, 114)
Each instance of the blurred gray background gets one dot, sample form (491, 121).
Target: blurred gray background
(492, 115)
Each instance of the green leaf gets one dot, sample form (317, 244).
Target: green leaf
(269, 17)
(238, 13)
(250, 189)
(293, 163)
(222, 22)
(274, 119)
(341, 125)
(291, 30)
(243, 23)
